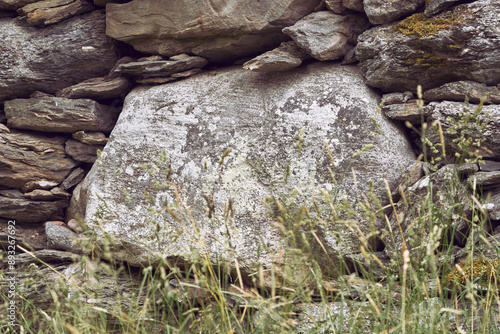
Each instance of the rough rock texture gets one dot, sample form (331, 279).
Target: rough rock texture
(82, 152)
(460, 44)
(32, 157)
(284, 58)
(24, 210)
(405, 112)
(102, 88)
(73, 179)
(460, 90)
(14, 4)
(61, 237)
(217, 30)
(436, 6)
(196, 121)
(51, 61)
(43, 13)
(91, 138)
(445, 110)
(384, 11)
(57, 114)
(160, 68)
(325, 35)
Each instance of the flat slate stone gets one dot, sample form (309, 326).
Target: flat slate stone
(33, 158)
(102, 88)
(82, 152)
(284, 58)
(57, 114)
(43, 13)
(28, 211)
(460, 90)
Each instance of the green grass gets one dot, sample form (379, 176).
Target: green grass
(419, 290)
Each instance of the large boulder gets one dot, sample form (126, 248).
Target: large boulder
(217, 30)
(459, 44)
(171, 149)
(55, 57)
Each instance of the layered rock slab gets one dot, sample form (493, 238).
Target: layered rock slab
(57, 114)
(55, 57)
(226, 140)
(217, 30)
(29, 158)
(459, 44)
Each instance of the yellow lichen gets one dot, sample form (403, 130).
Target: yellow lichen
(480, 268)
(428, 60)
(421, 25)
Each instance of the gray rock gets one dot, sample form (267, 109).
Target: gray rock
(494, 205)
(41, 195)
(60, 193)
(435, 6)
(490, 166)
(82, 152)
(27, 211)
(61, 237)
(325, 35)
(14, 4)
(284, 58)
(12, 193)
(102, 88)
(32, 158)
(261, 120)
(395, 98)
(43, 13)
(445, 110)
(159, 68)
(405, 112)
(459, 90)
(73, 179)
(228, 29)
(91, 138)
(29, 236)
(461, 44)
(57, 114)
(336, 6)
(485, 178)
(50, 61)
(47, 256)
(384, 11)
(39, 184)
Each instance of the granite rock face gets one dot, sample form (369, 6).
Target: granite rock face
(459, 44)
(217, 30)
(228, 140)
(64, 54)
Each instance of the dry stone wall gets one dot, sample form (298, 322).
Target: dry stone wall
(271, 81)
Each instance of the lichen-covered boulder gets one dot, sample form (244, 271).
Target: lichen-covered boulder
(217, 30)
(459, 44)
(192, 166)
